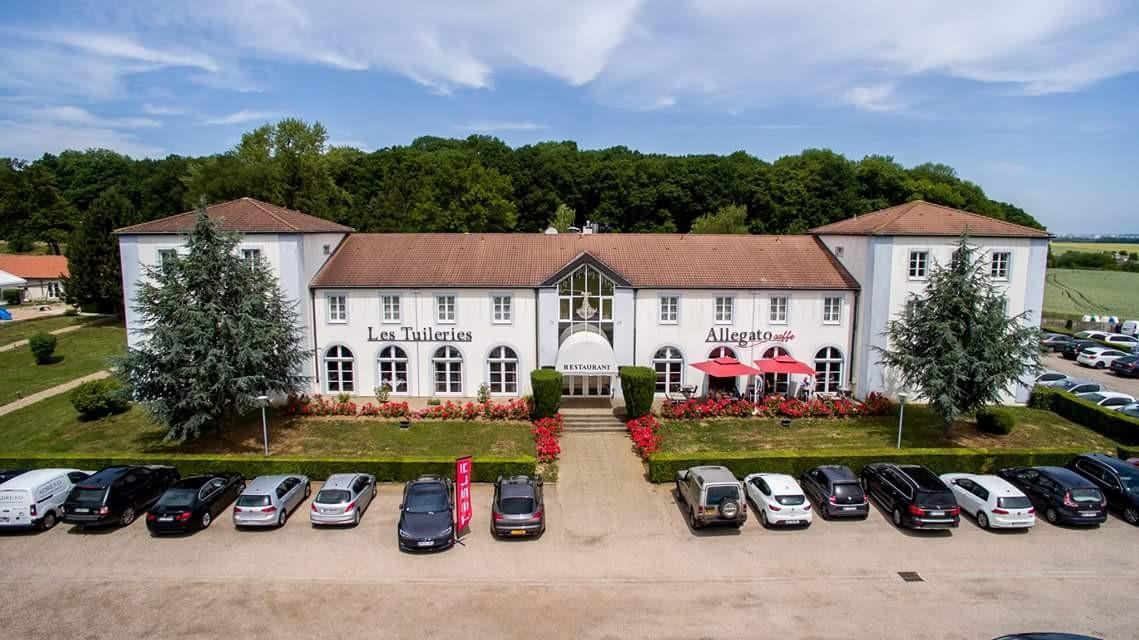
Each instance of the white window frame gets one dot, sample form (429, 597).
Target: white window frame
(671, 366)
(491, 360)
(1008, 264)
(164, 254)
(925, 266)
(449, 368)
(675, 309)
(328, 307)
(716, 309)
(838, 310)
(384, 298)
(771, 319)
(391, 362)
(437, 298)
(252, 254)
(341, 360)
(494, 317)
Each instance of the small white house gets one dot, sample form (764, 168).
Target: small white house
(42, 275)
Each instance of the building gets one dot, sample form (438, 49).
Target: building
(43, 274)
(440, 315)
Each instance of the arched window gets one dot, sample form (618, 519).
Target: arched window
(722, 352)
(338, 370)
(448, 370)
(668, 364)
(503, 365)
(828, 370)
(392, 367)
(775, 382)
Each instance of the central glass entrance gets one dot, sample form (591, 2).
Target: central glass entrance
(587, 386)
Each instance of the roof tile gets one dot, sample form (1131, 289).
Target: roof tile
(39, 267)
(921, 218)
(244, 215)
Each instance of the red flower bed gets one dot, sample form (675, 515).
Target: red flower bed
(546, 432)
(643, 433)
(385, 410)
(693, 409)
(877, 404)
(776, 405)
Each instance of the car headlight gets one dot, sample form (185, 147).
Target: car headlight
(447, 531)
(405, 534)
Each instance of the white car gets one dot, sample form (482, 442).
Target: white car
(1098, 357)
(1048, 377)
(1109, 399)
(1122, 341)
(1091, 335)
(779, 499)
(994, 502)
(35, 498)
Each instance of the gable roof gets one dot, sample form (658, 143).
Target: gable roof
(244, 215)
(36, 267)
(921, 218)
(682, 261)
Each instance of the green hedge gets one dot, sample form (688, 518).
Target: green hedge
(638, 384)
(385, 469)
(546, 385)
(996, 421)
(1127, 452)
(663, 466)
(1115, 425)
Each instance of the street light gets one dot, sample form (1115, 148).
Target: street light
(264, 400)
(901, 412)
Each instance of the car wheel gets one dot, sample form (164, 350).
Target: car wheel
(696, 524)
(48, 521)
(1099, 365)
(678, 490)
(1131, 515)
(982, 520)
(127, 517)
(1051, 516)
(763, 519)
(206, 520)
(356, 519)
(283, 518)
(897, 517)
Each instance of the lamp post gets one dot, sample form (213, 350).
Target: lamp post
(901, 412)
(264, 400)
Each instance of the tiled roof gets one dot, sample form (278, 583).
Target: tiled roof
(245, 215)
(921, 218)
(526, 260)
(39, 267)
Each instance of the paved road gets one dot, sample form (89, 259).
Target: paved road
(617, 561)
(1076, 370)
(52, 391)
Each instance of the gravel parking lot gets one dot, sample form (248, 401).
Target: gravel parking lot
(1074, 369)
(617, 560)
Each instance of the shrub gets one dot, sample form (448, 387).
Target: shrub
(995, 420)
(546, 432)
(434, 402)
(99, 398)
(643, 432)
(638, 385)
(13, 296)
(877, 404)
(484, 393)
(42, 346)
(1125, 453)
(1115, 425)
(547, 387)
(383, 392)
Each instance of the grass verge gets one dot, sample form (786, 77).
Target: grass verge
(77, 354)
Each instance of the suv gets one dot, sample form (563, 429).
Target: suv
(836, 492)
(1118, 480)
(517, 509)
(117, 494)
(915, 497)
(712, 495)
(1069, 350)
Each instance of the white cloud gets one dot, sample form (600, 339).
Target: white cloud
(31, 139)
(116, 46)
(164, 110)
(78, 116)
(875, 98)
(242, 117)
(491, 125)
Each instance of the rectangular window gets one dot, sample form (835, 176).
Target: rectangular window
(669, 309)
(778, 314)
(724, 310)
(839, 251)
(445, 309)
(251, 255)
(503, 312)
(166, 255)
(998, 268)
(832, 310)
(919, 265)
(337, 308)
(389, 308)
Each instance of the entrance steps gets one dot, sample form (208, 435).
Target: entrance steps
(591, 420)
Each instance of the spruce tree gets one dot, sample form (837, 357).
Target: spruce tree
(93, 254)
(218, 332)
(955, 344)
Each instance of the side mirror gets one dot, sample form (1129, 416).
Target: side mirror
(401, 506)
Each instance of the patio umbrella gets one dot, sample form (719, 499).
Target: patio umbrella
(784, 364)
(726, 367)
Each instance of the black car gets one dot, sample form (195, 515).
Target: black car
(117, 494)
(426, 514)
(1127, 366)
(8, 474)
(518, 508)
(835, 492)
(915, 497)
(192, 503)
(1062, 495)
(1071, 349)
(1053, 342)
(1118, 480)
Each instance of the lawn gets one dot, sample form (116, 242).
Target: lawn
(1035, 428)
(77, 354)
(1094, 247)
(52, 426)
(15, 331)
(1081, 292)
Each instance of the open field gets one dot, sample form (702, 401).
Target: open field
(77, 354)
(15, 331)
(1094, 247)
(1081, 292)
(922, 428)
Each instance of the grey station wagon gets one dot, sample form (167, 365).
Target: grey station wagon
(268, 500)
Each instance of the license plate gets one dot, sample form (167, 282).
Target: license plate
(792, 522)
(165, 518)
(849, 508)
(517, 532)
(425, 543)
(1089, 514)
(81, 510)
(936, 513)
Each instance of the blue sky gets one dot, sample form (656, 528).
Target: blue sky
(1034, 100)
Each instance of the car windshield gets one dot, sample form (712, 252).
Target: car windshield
(516, 506)
(253, 500)
(333, 496)
(177, 498)
(88, 494)
(716, 495)
(426, 500)
(1131, 483)
(790, 500)
(935, 499)
(848, 490)
(1014, 502)
(1086, 495)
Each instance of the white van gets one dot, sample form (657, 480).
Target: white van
(1130, 327)
(35, 498)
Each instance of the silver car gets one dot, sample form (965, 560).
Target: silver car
(268, 500)
(343, 499)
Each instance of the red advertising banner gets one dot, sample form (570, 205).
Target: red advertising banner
(463, 493)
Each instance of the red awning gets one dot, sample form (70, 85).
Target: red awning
(784, 364)
(726, 367)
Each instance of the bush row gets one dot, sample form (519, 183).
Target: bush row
(385, 469)
(1115, 425)
(517, 409)
(663, 466)
(776, 405)
(546, 385)
(1127, 452)
(996, 420)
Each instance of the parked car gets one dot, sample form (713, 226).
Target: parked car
(268, 500)
(1070, 350)
(1130, 410)
(1078, 386)
(1129, 327)
(1099, 357)
(116, 495)
(1062, 495)
(1108, 399)
(192, 503)
(836, 492)
(343, 499)
(915, 497)
(1118, 480)
(1090, 335)
(992, 501)
(518, 508)
(711, 495)
(8, 474)
(1122, 341)
(427, 513)
(1049, 377)
(779, 499)
(34, 498)
(1127, 366)
(1053, 341)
